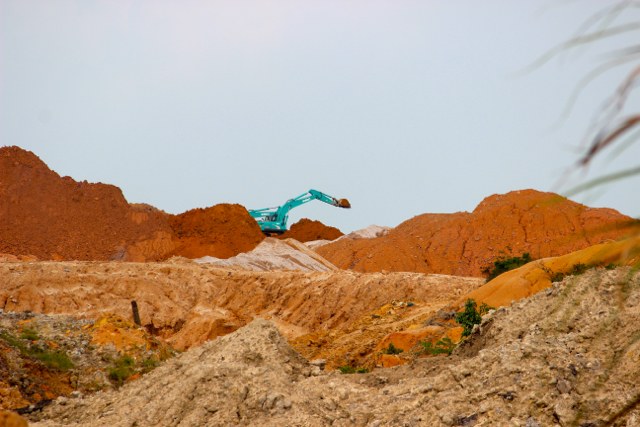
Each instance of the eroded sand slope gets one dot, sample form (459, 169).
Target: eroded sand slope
(565, 356)
(187, 303)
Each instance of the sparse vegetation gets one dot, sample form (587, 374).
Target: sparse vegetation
(352, 370)
(504, 264)
(443, 346)
(391, 349)
(58, 360)
(30, 334)
(123, 369)
(576, 270)
(54, 360)
(347, 369)
(150, 364)
(471, 315)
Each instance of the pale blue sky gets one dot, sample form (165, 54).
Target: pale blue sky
(402, 107)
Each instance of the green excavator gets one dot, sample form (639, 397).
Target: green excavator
(274, 220)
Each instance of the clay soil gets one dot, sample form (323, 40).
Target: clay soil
(51, 217)
(307, 230)
(44, 216)
(221, 231)
(186, 303)
(463, 243)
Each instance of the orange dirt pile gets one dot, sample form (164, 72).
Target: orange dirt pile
(221, 231)
(307, 230)
(538, 275)
(52, 218)
(463, 244)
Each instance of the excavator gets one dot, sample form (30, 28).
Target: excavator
(274, 220)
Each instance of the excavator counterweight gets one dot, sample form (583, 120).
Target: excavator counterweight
(274, 220)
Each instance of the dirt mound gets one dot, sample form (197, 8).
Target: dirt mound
(221, 231)
(274, 254)
(307, 230)
(51, 217)
(463, 244)
(566, 356)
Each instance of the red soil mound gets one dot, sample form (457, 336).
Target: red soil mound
(221, 231)
(462, 244)
(307, 230)
(58, 218)
(50, 217)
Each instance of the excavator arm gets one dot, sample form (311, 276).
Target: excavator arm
(274, 220)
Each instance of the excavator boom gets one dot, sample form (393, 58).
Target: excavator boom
(274, 220)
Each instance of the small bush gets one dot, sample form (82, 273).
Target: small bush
(443, 346)
(502, 265)
(30, 334)
(391, 349)
(352, 370)
(347, 369)
(123, 369)
(14, 342)
(150, 363)
(576, 270)
(471, 315)
(58, 360)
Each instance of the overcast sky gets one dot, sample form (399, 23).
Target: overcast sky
(402, 107)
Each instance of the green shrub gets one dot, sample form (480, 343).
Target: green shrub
(347, 369)
(30, 334)
(123, 369)
(59, 360)
(576, 270)
(443, 346)
(150, 363)
(503, 264)
(14, 342)
(391, 349)
(352, 370)
(54, 360)
(471, 315)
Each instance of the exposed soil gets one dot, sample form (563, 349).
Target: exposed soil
(221, 231)
(274, 254)
(186, 303)
(43, 357)
(567, 356)
(51, 217)
(307, 230)
(44, 216)
(463, 244)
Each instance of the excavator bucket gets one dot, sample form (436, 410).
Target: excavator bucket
(344, 203)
